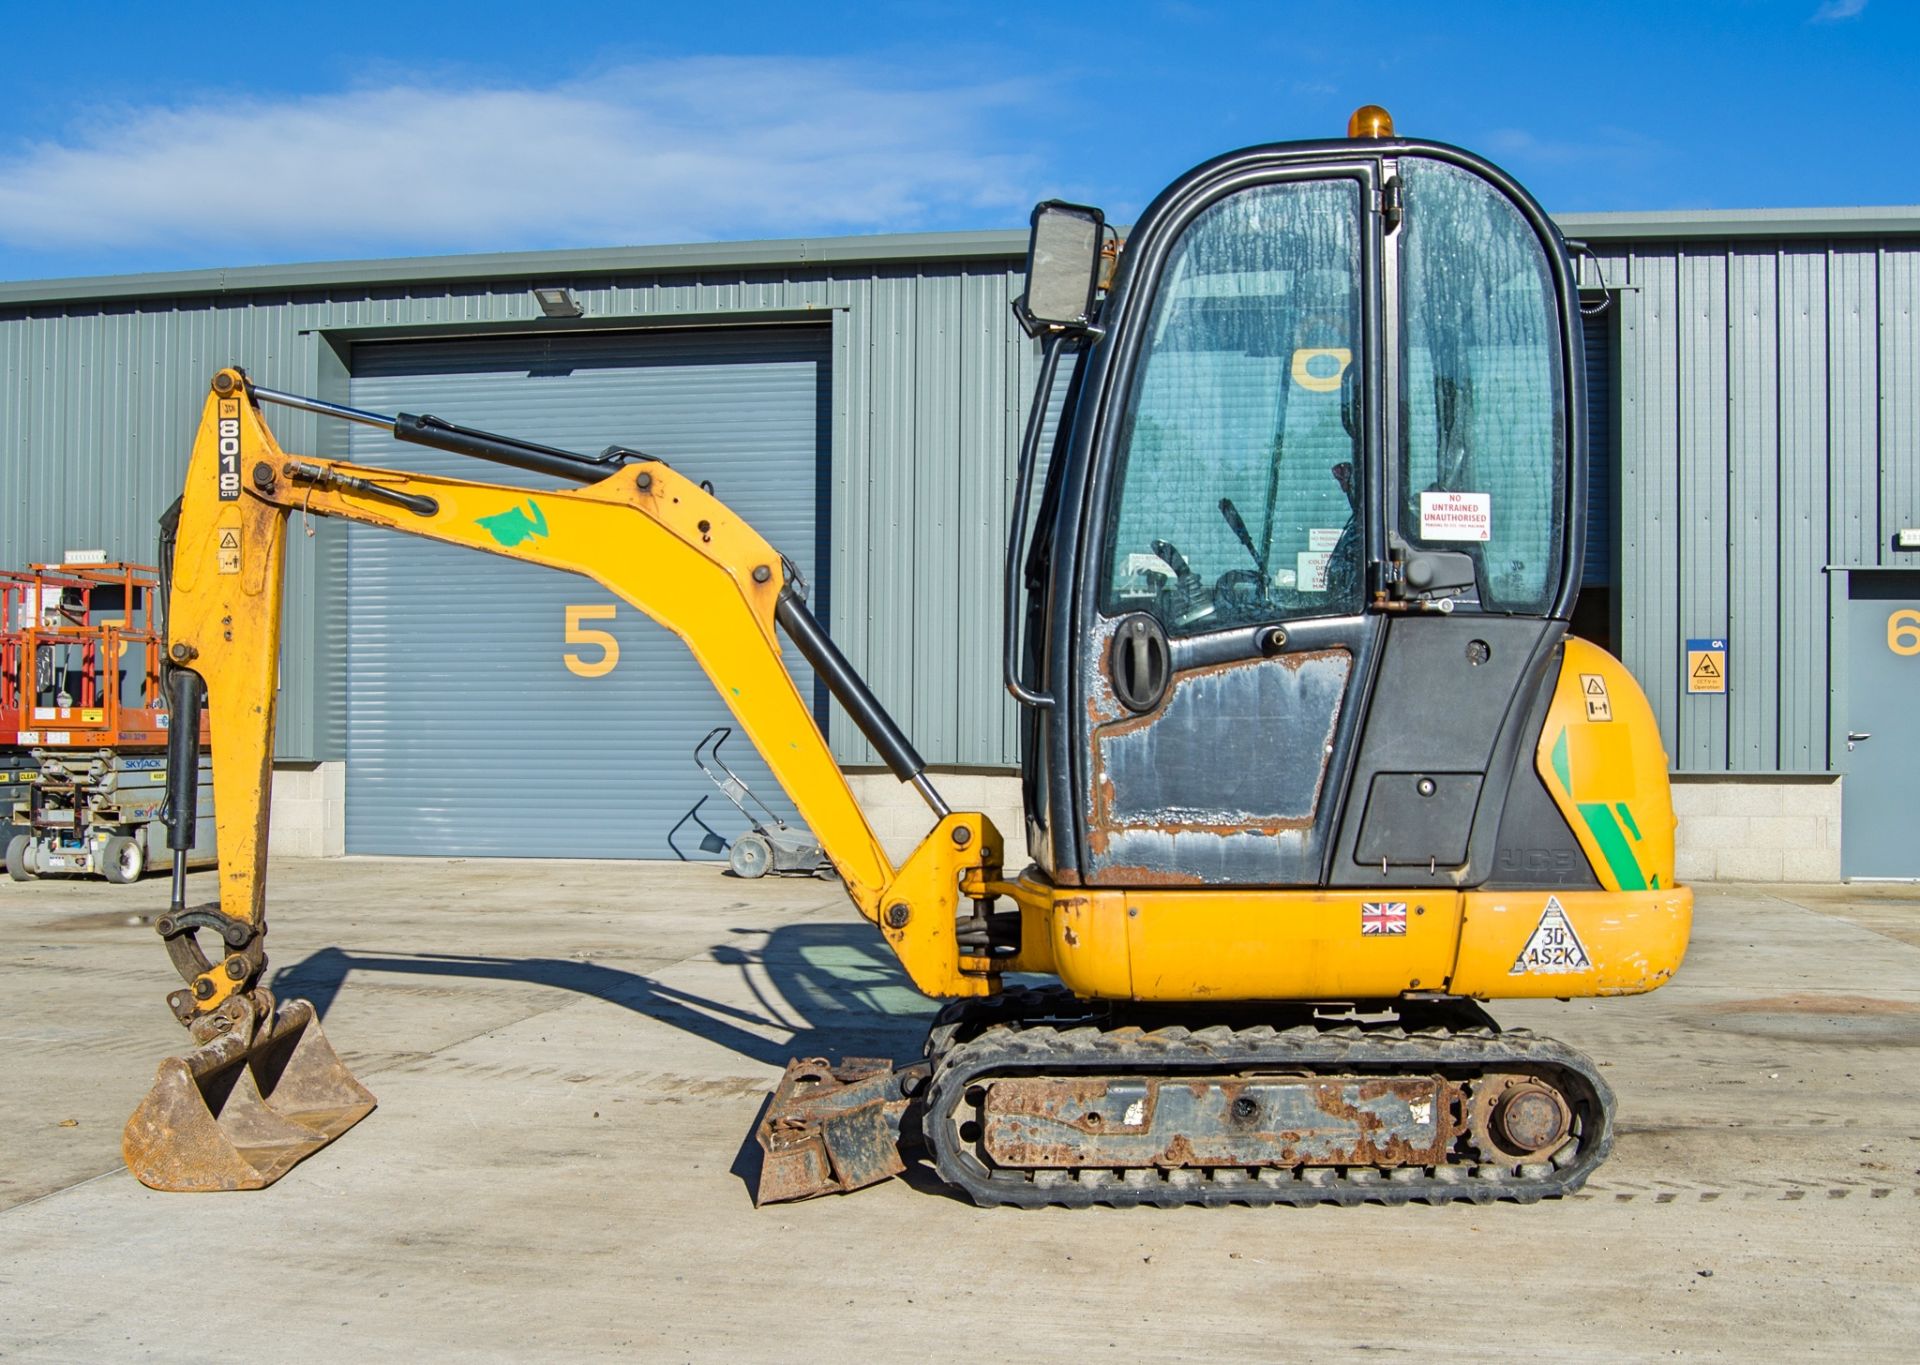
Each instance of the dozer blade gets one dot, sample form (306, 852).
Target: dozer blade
(242, 1110)
(831, 1129)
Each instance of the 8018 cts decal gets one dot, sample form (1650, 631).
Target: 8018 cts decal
(229, 450)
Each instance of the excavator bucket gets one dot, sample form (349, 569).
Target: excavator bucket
(831, 1129)
(242, 1110)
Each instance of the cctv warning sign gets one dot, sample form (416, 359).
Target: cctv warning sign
(1706, 666)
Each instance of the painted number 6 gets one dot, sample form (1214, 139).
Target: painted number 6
(578, 634)
(1903, 632)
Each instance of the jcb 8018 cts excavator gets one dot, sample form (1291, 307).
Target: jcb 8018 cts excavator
(1312, 766)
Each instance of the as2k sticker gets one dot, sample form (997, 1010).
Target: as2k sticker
(1553, 948)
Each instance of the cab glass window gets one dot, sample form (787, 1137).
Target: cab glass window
(1238, 469)
(1483, 411)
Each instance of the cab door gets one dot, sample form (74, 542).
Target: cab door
(1222, 631)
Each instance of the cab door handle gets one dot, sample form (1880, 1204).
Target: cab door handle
(1140, 663)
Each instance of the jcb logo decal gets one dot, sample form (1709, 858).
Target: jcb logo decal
(229, 450)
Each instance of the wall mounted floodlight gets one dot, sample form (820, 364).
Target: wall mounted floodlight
(558, 302)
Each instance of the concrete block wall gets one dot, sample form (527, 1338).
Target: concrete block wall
(1757, 829)
(901, 818)
(309, 813)
(1730, 829)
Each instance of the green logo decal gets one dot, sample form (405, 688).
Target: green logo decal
(515, 524)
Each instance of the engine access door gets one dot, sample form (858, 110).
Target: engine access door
(1223, 634)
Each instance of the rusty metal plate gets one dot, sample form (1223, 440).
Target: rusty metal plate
(1220, 1121)
(830, 1129)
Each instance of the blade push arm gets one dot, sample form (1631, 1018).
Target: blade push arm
(648, 534)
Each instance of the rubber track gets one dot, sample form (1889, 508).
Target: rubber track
(1054, 1049)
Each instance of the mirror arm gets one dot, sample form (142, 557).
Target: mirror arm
(1049, 332)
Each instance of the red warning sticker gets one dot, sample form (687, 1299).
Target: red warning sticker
(1456, 516)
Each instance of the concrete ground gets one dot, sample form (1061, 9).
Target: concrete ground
(569, 1058)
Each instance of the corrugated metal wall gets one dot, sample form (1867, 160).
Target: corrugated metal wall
(1769, 425)
(1768, 393)
(98, 403)
(97, 412)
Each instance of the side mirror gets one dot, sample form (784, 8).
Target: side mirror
(1063, 268)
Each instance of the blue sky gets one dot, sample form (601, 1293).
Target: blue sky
(156, 138)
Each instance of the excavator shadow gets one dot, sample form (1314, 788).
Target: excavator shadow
(806, 990)
(815, 988)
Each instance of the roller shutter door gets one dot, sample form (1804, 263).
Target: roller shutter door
(467, 733)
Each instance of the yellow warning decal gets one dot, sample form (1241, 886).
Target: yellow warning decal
(1593, 690)
(229, 549)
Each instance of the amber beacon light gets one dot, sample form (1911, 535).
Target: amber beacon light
(1370, 120)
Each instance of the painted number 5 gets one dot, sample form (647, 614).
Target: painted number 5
(1903, 632)
(578, 634)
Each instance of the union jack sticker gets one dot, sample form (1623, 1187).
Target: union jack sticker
(1383, 917)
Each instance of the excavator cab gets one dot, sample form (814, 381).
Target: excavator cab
(1305, 554)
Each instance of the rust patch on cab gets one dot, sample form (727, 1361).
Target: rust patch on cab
(1194, 792)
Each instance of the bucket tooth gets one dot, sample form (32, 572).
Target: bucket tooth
(238, 1113)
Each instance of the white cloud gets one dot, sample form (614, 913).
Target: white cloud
(668, 151)
(1608, 146)
(1835, 10)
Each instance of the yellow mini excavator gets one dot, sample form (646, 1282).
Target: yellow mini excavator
(1312, 765)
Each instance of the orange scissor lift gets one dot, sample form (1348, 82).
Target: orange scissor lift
(83, 719)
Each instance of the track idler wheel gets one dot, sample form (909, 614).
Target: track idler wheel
(1517, 1119)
